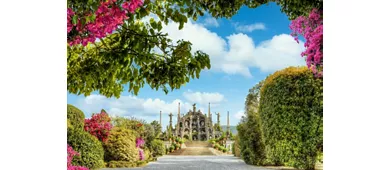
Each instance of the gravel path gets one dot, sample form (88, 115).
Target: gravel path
(169, 162)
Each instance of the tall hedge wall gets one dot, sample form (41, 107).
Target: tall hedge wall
(291, 117)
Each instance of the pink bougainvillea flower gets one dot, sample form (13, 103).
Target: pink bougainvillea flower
(108, 17)
(99, 125)
(311, 28)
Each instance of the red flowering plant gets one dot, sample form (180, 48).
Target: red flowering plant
(99, 125)
(311, 28)
(71, 154)
(103, 18)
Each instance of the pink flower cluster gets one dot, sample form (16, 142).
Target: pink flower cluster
(71, 154)
(139, 142)
(141, 154)
(312, 30)
(109, 16)
(99, 125)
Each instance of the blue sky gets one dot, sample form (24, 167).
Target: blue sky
(243, 51)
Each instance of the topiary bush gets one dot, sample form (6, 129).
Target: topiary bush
(89, 147)
(157, 148)
(291, 117)
(75, 116)
(121, 146)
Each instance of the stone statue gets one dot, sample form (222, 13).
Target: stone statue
(218, 116)
(194, 107)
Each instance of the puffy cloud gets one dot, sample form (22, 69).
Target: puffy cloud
(203, 98)
(239, 114)
(211, 22)
(250, 27)
(130, 106)
(238, 53)
(147, 107)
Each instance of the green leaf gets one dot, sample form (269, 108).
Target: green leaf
(74, 20)
(136, 89)
(159, 26)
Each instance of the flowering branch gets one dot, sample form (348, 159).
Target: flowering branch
(312, 30)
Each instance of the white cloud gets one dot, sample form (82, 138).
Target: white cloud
(277, 53)
(210, 21)
(239, 114)
(203, 98)
(147, 107)
(129, 106)
(238, 53)
(251, 27)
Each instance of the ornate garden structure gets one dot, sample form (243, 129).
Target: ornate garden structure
(195, 125)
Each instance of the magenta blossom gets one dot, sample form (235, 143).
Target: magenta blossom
(311, 28)
(71, 154)
(139, 142)
(108, 17)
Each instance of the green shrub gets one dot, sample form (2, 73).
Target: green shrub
(249, 130)
(236, 148)
(68, 124)
(157, 148)
(216, 146)
(121, 164)
(224, 150)
(220, 148)
(248, 156)
(90, 149)
(120, 146)
(291, 117)
(233, 152)
(75, 116)
(166, 150)
(147, 154)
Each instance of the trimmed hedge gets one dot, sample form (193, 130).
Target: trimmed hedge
(121, 164)
(120, 146)
(89, 147)
(157, 148)
(292, 117)
(236, 147)
(75, 116)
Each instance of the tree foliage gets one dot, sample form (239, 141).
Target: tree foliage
(292, 117)
(132, 124)
(138, 53)
(157, 148)
(157, 128)
(251, 143)
(224, 8)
